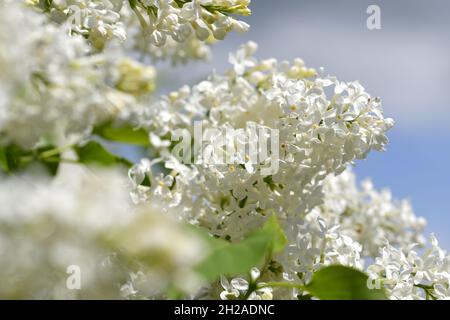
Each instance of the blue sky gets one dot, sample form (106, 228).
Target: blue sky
(406, 63)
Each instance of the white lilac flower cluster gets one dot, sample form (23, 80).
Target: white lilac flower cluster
(352, 224)
(173, 29)
(97, 20)
(65, 75)
(316, 244)
(319, 133)
(368, 216)
(408, 274)
(324, 237)
(85, 219)
(176, 52)
(52, 88)
(180, 19)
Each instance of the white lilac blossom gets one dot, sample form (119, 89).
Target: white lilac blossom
(97, 20)
(349, 226)
(179, 19)
(319, 134)
(318, 244)
(369, 216)
(85, 219)
(409, 274)
(176, 52)
(51, 88)
(332, 233)
(239, 287)
(267, 182)
(156, 22)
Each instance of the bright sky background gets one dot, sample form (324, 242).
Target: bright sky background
(406, 63)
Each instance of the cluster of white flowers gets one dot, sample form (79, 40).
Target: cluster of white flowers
(368, 216)
(176, 52)
(180, 19)
(407, 274)
(327, 218)
(50, 87)
(326, 236)
(318, 134)
(174, 29)
(85, 219)
(350, 225)
(330, 233)
(316, 245)
(97, 20)
(270, 139)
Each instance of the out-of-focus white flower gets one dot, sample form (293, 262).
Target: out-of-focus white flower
(53, 88)
(86, 219)
(176, 52)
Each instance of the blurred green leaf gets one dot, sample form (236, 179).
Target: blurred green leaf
(3, 160)
(13, 158)
(94, 153)
(10, 158)
(123, 133)
(342, 283)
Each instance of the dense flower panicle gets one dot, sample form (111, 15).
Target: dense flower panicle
(97, 20)
(407, 274)
(85, 219)
(51, 88)
(138, 44)
(331, 234)
(178, 19)
(173, 29)
(318, 244)
(369, 216)
(349, 226)
(319, 134)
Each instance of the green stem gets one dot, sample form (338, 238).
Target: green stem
(56, 151)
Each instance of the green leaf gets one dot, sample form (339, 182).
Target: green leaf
(342, 283)
(12, 158)
(94, 153)
(239, 258)
(3, 160)
(124, 133)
